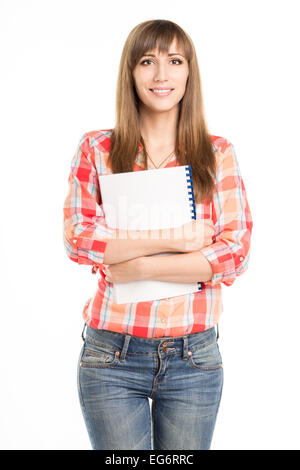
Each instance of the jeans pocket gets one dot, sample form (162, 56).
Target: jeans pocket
(98, 356)
(206, 357)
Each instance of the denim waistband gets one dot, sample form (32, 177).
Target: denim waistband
(126, 343)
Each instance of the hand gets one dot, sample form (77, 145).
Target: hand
(126, 271)
(196, 234)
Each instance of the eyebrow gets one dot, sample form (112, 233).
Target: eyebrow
(153, 55)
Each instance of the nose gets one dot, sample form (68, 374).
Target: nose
(160, 72)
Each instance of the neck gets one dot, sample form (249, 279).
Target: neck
(159, 129)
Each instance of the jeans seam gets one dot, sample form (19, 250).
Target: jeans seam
(78, 378)
(98, 343)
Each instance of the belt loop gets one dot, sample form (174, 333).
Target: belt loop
(185, 348)
(82, 336)
(217, 331)
(125, 347)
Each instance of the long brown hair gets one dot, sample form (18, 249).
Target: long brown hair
(193, 142)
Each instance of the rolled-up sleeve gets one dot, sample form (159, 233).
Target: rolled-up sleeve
(229, 253)
(85, 232)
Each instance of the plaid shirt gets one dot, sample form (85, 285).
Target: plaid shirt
(86, 235)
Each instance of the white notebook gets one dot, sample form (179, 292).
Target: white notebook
(149, 199)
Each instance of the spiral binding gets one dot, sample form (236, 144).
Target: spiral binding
(190, 187)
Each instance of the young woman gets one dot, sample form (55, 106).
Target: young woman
(165, 349)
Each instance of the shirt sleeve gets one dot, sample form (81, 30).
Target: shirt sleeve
(85, 231)
(229, 254)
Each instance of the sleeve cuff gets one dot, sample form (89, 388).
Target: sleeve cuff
(221, 262)
(91, 250)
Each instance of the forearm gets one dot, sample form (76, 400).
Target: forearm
(185, 267)
(130, 244)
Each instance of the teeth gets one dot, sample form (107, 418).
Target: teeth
(161, 91)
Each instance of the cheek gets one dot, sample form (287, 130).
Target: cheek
(136, 81)
(183, 74)
(183, 78)
(139, 87)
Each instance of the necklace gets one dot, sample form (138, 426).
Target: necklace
(162, 161)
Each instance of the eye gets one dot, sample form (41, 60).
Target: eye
(172, 60)
(147, 60)
(177, 60)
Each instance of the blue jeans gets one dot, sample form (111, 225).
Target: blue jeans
(118, 373)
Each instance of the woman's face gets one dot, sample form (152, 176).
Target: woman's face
(161, 71)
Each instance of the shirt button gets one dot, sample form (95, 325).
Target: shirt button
(163, 320)
(241, 258)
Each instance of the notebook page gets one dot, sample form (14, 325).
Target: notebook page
(150, 199)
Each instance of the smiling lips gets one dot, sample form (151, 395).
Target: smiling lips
(161, 91)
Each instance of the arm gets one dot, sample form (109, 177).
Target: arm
(87, 238)
(230, 252)
(85, 231)
(186, 267)
(228, 256)
(130, 244)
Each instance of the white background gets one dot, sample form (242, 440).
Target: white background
(59, 70)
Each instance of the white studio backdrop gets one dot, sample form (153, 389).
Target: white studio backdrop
(59, 72)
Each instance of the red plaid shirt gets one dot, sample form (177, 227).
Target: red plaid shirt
(86, 235)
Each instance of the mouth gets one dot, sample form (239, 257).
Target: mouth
(161, 92)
